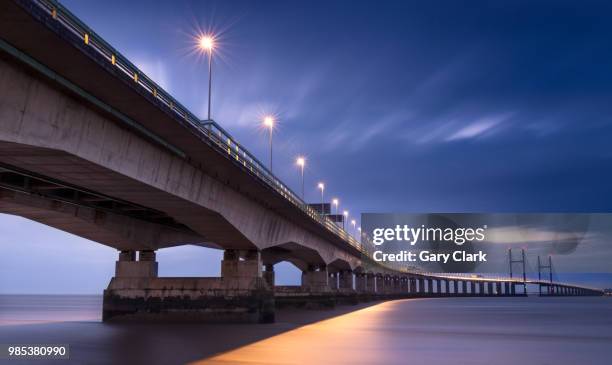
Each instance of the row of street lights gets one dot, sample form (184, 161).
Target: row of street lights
(206, 44)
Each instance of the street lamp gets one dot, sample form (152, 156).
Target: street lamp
(335, 202)
(345, 213)
(360, 235)
(353, 223)
(321, 186)
(268, 122)
(301, 162)
(207, 44)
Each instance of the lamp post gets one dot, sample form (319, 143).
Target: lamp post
(301, 162)
(335, 202)
(207, 44)
(268, 122)
(353, 223)
(346, 214)
(321, 187)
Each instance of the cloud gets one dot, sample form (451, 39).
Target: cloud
(477, 128)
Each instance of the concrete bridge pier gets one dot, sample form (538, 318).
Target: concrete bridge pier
(268, 275)
(137, 293)
(345, 280)
(370, 279)
(397, 285)
(413, 285)
(361, 282)
(314, 279)
(388, 283)
(404, 287)
(333, 280)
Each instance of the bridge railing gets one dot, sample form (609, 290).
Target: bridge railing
(221, 140)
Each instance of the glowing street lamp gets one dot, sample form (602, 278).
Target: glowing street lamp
(301, 162)
(321, 186)
(345, 213)
(206, 43)
(360, 235)
(268, 122)
(353, 223)
(335, 202)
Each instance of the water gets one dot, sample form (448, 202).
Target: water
(514, 331)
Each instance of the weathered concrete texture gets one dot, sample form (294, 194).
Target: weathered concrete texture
(190, 299)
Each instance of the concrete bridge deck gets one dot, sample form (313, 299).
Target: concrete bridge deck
(90, 145)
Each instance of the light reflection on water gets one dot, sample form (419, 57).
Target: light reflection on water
(446, 331)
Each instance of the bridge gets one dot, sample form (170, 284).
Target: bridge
(90, 145)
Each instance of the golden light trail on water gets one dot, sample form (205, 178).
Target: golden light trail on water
(344, 339)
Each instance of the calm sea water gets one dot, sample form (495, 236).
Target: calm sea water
(514, 331)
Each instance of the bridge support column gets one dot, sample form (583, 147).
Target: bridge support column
(498, 288)
(403, 289)
(472, 287)
(314, 279)
(397, 285)
(128, 267)
(421, 285)
(360, 282)
(333, 280)
(481, 288)
(490, 288)
(268, 275)
(506, 288)
(447, 282)
(240, 295)
(464, 285)
(370, 286)
(413, 285)
(388, 284)
(345, 280)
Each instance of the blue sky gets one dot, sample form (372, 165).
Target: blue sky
(399, 107)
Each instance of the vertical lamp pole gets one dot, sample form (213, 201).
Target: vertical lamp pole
(301, 161)
(346, 214)
(321, 186)
(207, 44)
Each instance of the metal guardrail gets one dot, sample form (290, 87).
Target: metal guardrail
(221, 140)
